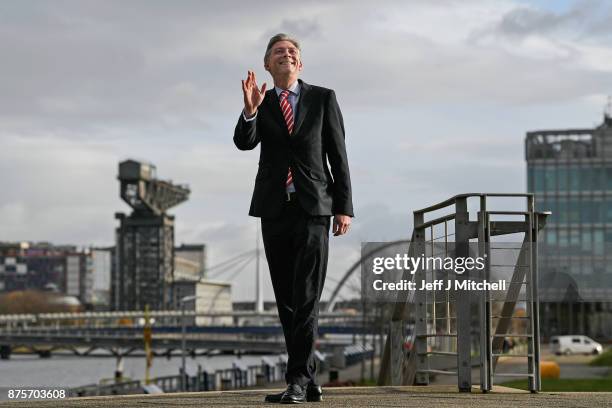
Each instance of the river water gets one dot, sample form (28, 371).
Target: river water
(67, 371)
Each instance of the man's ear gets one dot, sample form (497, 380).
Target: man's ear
(300, 66)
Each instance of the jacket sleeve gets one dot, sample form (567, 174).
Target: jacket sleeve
(245, 134)
(333, 135)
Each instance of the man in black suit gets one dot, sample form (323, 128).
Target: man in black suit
(300, 128)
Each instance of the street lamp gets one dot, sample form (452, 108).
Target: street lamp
(182, 302)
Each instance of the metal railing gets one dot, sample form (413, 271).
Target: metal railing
(447, 332)
(270, 371)
(123, 317)
(221, 379)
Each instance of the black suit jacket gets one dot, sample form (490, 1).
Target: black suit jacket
(318, 136)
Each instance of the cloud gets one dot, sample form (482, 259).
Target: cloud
(301, 29)
(436, 96)
(583, 19)
(103, 64)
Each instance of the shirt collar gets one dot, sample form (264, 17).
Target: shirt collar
(294, 89)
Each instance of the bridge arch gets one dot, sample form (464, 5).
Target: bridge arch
(331, 303)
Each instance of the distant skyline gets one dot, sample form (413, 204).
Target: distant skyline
(436, 96)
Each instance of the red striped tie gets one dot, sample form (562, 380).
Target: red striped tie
(288, 115)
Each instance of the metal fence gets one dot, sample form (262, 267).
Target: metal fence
(237, 377)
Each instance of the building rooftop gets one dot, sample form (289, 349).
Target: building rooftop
(570, 144)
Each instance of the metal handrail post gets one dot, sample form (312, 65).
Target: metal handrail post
(536, 300)
(463, 301)
(419, 346)
(484, 311)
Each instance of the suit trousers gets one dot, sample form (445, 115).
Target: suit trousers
(296, 245)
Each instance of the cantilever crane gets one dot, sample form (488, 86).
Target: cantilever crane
(144, 269)
(142, 191)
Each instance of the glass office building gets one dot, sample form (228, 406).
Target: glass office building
(570, 172)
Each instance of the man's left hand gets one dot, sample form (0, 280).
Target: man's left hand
(341, 224)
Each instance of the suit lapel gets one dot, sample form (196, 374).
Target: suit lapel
(302, 105)
(274, 106)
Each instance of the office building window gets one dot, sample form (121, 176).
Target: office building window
(562, 178)
(597, 179)
(598, 241)
(608, 178)
(538, 179)
(574, 211)
(587, 243)
(596, 212)
(574, 240)
(587, 267)
(563, 238)
(608, 211)
(550, 178)
(574, 178)
(586, 178)
(563, 213)
(551, 236)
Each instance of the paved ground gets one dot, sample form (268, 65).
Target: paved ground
(432, 396)
(438, 395)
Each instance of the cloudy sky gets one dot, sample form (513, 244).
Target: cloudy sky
(436, 97)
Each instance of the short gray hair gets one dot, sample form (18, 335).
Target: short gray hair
(280, 37)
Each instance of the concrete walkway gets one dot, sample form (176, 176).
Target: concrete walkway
(431, 396)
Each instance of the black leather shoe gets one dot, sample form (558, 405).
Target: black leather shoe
(295, 394)
(276, 398)
(314, 393)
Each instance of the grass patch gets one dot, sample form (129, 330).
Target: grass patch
(367, 383)
(604, 359)
(568, 385)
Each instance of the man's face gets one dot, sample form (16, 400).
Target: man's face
(284, 60)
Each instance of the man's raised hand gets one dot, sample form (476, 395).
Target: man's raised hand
(253, 96)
